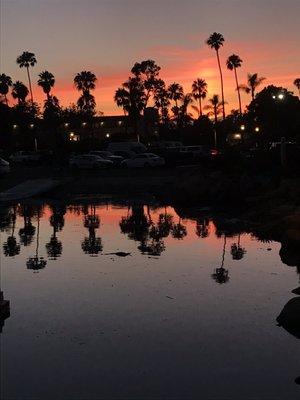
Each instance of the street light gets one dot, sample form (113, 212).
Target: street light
(242, 127)
(15, 126)
(107, 135)
(84, 124)
(237, 136)
(31, 126)
(257, 129)
(281, 96)
(66, 124)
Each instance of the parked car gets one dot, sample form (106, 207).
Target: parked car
(4, 167)
(107, 155)
(135, 147)
(195, 151)
(144, 160)
(25, 157)
(89, 161)
(125, 154)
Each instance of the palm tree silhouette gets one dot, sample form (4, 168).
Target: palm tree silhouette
(214, 108)
(46, 82)
(175, 92)
(19, 91)
(253, 81)
(85, 81)
(233, 62)
(26, 60)
(199, 91)
(215, 41)
(202, 227)
(297, 84)
(221, 274)
(5, 83)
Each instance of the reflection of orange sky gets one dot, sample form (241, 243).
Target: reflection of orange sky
(183, 66)
(110, 217)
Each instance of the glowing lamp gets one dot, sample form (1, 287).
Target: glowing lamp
(15, 126)
(242, 127)
(237, 136)
(107, 135)
(66, 124)
(281, 96)
(256, 129)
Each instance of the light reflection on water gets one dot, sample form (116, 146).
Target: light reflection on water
(193, 303)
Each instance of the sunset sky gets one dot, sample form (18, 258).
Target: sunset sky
(107, 37)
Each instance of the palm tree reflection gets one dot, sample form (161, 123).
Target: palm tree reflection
(36, 262)
(202, 227)
(92, 245)
(27, 232)
(11, 248)
(57, 221)
(237, 251)
(221, 274)
(178, 230)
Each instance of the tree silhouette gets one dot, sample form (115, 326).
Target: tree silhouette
(297, 84)
(26, 60)
(220, 274)
(175, 92)
(85, 81)
(5, 84)
(253, 81)
(215, 41)
(199, 92)
(233, 62)
(46, 82)
(19, 91)
(214, 108)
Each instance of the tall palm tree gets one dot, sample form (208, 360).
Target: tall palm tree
(215, 108)
(5, 83)
(46, 82)
(26, 60)
(85, 81)
(199, 91)
(19, 91)
(215, 41)
(253, 81)
(175, 92)
(297, 84)
(233, 62)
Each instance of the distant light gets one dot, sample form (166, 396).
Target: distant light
(256, 129)
(102, 123)
(120, 122)
(107, 135)
(72, 134)
(273, 97)
(84, 124)
(237, 136)
(242, 127)
(66, 124)
(281, 96)
(15, 126)
(31, 126)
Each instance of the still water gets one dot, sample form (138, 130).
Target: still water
(190, 312)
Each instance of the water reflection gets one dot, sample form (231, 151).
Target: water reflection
(36, 262)
(220, 274)
(91, 245)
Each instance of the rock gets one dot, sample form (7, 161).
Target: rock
(289, 318)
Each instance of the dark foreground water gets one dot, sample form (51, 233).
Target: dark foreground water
(190, 313)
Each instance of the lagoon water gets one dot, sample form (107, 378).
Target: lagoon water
(189, 313)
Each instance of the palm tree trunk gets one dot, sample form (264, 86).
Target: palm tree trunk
(238, 90)
(215, 127)
(29, 81)
(6, 101)
(222, 85)
(252, 92)
(200, 107)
